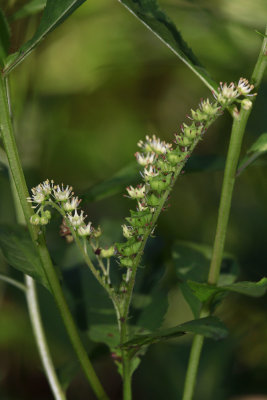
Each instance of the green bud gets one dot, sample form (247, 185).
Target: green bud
(35, 219)
(47, 214)
(160, 183)
(199, 115)
(191, 132)
(97, 232)
(183, 140)
(126, 262)
(175, 158)
(106, 253)
(139, 221)
(165, 166)
(153, 200)
(43, 220)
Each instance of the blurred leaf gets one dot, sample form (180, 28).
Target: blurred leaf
(210, 327)
(20, 253)
(149, 13)
(260, 145)
(192, 261)
(204, 291)
(67, 373)
(130, 175)
(258, 148)
(116, 184)
(151, 316)
(207, 162)
(4, 37)
(108, 334)
(30, 8)
(54, 14)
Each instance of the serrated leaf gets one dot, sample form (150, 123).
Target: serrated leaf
(54, 14)
(30, 8)
(210, 327)
(20, 253)
(4, 37)
(204, 291)
(149, 13)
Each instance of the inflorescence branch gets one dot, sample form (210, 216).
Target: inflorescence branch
(162, 164)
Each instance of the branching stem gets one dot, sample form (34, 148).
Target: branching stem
(238, 129)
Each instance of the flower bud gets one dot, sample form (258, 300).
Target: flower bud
(246, 104)
(35, 219)
(107, 253)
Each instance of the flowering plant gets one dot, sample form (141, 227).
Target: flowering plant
(116, 267)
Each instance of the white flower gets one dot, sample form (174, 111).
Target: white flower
(85, 230)
(72, 204)
(244, 87)
(145, 159)
(62, 194)
(141, 206)
(155, 145)
(226, 93)
(149, 172)
(136, 193)
(76, 220)
(127, 231)
(40, 193)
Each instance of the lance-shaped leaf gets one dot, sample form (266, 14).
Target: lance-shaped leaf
(20, 253)
(54, 14)
(258, 148)
(149, 13)
(204, 291)
(210, 327)
(4, 37)
(30, 8)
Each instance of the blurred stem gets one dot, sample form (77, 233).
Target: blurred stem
(39, 241)
(34, 311)
(238, 129)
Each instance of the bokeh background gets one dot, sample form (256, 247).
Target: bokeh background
(97, 84)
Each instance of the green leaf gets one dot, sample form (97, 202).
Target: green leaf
(258, 148)
(192, 261)
(54, 14)
(108, 334)
(116, 184)
(149, 13)
(31, 8)
(204, 291)
(210, 327)
(67, 373)
(260, 145)
(4, 37)
(20, 253)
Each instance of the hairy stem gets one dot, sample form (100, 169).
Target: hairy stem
(39, 241)
(238, 129)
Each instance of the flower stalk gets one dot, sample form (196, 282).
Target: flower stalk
(39, 241)
(238, 129)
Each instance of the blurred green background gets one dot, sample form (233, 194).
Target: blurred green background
(81, 101)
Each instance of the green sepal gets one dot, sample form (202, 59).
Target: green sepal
(160, 183)
(175, 157)
(128, 248)
(165, 166)
(183, 140)
(153, 200)
(140, 221)
(127, 262)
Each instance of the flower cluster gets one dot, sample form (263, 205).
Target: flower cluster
(47, 194)
(162, 162)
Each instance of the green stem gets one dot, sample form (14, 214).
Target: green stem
(39, 242)
(238, 129)
(40, 339)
